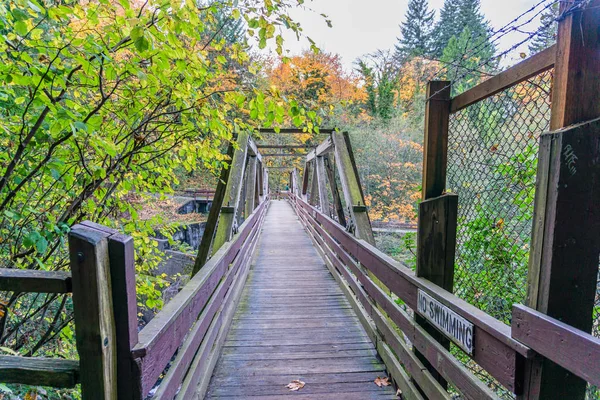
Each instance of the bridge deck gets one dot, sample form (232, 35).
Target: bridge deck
(293, 322)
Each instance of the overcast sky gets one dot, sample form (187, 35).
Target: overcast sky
(363, 26)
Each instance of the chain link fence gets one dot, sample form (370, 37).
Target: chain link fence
(492, 164)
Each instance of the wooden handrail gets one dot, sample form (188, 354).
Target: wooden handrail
(34, 281)
(534, 65)
(451, 368)
(163, 335)
(495, 349)
(39, 371)
(572, 349)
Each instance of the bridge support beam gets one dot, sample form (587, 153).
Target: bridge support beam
(322, 184)
(337, 200)
(213, 217)
(232, 195)
(351, 187)
(250, 186)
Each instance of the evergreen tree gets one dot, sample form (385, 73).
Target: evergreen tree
(228, 28)
(469, 16)
(416, 30)
(546, 35)
(456, 15)
(463, 57)
(446, 27)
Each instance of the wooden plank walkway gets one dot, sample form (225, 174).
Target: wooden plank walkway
(293, 322)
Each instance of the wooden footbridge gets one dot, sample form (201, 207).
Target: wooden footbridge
(294, 292)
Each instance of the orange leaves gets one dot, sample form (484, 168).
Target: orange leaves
(3, 305)
(295, 385)
(385, 381)
(316, 80)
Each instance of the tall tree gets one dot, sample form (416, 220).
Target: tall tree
(456, 15)
(380, 75)
(416, 31)
(470, 16)
(463, 59)
(546, 35)
(446, 27)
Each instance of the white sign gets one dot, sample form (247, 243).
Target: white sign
(456, 327)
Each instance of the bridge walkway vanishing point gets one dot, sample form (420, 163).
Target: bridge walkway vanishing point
(294, 322)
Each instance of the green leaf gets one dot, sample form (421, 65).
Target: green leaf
(141, 44)
(21, 28)
(137, 33)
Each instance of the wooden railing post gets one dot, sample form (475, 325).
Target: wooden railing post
(563, 264)
(93, 308)
(121, 256)
(314, 186)
(122, 270)
(437, 217)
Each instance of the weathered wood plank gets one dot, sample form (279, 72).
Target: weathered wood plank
(122, 274)
(337, 200)
(322, 185)
(284, 330)
(232, 195)
(570, 238)
(351, 187)
(363, 308)
(32, 281)
(39, 371)
(196, 381)
(250, 186)
(570, 209)
(449, 367)
(196, 337)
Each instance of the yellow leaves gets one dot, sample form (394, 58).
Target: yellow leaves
(385, 381)
(31, 395)
(3, 305)
(295, 385)
(500, 223)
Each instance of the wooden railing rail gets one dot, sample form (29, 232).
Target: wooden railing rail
(573, 349)
(499, 349)
(534, 65)
(37, 371)
(494, 349)
(193, 308)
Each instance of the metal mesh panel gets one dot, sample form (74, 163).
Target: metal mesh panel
(492, 164)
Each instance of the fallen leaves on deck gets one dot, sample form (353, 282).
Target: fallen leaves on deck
(295, 385)
(382, 381)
